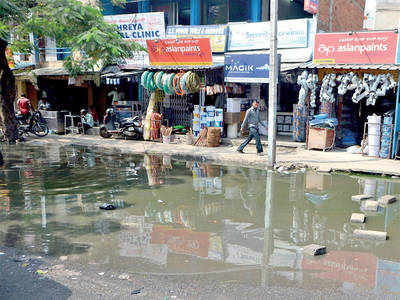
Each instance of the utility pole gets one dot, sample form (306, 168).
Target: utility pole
(273, 84)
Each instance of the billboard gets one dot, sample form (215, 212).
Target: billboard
(256, 36)
(139, 28)
(247, 68)
(216, 33)
(176, 52)
(356, 48)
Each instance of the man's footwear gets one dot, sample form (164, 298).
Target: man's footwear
(260, 154)
(240, 151)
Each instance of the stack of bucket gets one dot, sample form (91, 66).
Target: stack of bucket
(386, 137)
(374, 135)
(207, 116)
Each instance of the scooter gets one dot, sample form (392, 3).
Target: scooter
(127, 127)
(35, 124)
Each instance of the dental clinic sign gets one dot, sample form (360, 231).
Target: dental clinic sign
(247, 68)
(139, 27)
(377, 47)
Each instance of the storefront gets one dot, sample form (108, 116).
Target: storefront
(295, 47)
(357, 84)
(182, 83)
(246, 77)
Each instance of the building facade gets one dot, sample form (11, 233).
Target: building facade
(381, 14)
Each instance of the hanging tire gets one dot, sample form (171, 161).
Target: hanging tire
(40, 129)
(104, 133)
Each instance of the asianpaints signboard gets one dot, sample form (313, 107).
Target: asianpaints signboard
(139, 27)
(176, 52)
(356, 48)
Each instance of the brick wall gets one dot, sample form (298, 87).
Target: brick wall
(340, 15)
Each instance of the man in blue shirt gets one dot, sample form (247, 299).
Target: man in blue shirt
(252, 119)
(87, 120)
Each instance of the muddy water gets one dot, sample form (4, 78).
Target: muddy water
(177, 217)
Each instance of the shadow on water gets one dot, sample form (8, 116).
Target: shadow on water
(181, 217)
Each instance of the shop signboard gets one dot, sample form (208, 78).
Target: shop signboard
(311, 6)
(139, 28)
(179, 52)
(247, 68)
(216, 33)
(256, 36)
(356, 48)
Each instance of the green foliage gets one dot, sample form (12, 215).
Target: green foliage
(72, 24)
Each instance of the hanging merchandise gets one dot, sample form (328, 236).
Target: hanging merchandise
(299, 123)
(348, 82)
(312, 83)
(302, 81)
(386, 138)
(328, 83)
(372, 87)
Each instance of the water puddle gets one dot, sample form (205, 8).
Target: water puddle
(178, 217)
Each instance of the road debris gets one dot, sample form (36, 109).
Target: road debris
(314, 250)
(107, 206)
(370, 205)
(136, 292)
(370, 234)
(357, 218)
(359, 198)
(387, 199)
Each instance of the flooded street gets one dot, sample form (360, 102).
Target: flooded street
(240, 225)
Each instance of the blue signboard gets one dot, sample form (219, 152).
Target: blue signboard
(247, 68)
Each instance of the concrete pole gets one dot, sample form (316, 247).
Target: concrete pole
(273, 84)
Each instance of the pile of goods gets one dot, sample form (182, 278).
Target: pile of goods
(209, 137)
(207, 116)
(180, 84)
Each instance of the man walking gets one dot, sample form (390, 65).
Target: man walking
(252, 118)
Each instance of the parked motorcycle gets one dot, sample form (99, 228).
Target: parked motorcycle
(126, 127)
(35, 124)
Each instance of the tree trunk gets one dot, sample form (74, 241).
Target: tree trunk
(8, 122)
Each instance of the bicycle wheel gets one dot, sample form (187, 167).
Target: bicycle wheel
(40, 130)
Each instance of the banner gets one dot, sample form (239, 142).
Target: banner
(256, 36)
(311, 6)
(179, 52)
(216, 33)
(139, 28)
(356, 48)
(247, 68)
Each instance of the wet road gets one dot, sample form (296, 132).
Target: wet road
(198, 230)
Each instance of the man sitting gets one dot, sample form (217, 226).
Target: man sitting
(87, 120)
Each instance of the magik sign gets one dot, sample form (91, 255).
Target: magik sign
(247, 68)
(356, 48)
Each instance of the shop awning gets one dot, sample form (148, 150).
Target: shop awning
(290, 66)
(311, 65)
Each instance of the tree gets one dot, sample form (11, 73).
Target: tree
(72, 24)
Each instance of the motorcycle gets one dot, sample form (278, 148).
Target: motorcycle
(35, 124)
(126, 127)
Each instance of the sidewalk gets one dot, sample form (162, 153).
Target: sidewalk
(337, 160)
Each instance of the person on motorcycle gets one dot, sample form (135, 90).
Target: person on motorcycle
(87, 120)
(24, 107)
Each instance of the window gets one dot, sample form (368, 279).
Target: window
(224, 11)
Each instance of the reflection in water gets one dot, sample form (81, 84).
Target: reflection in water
(189, 217)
